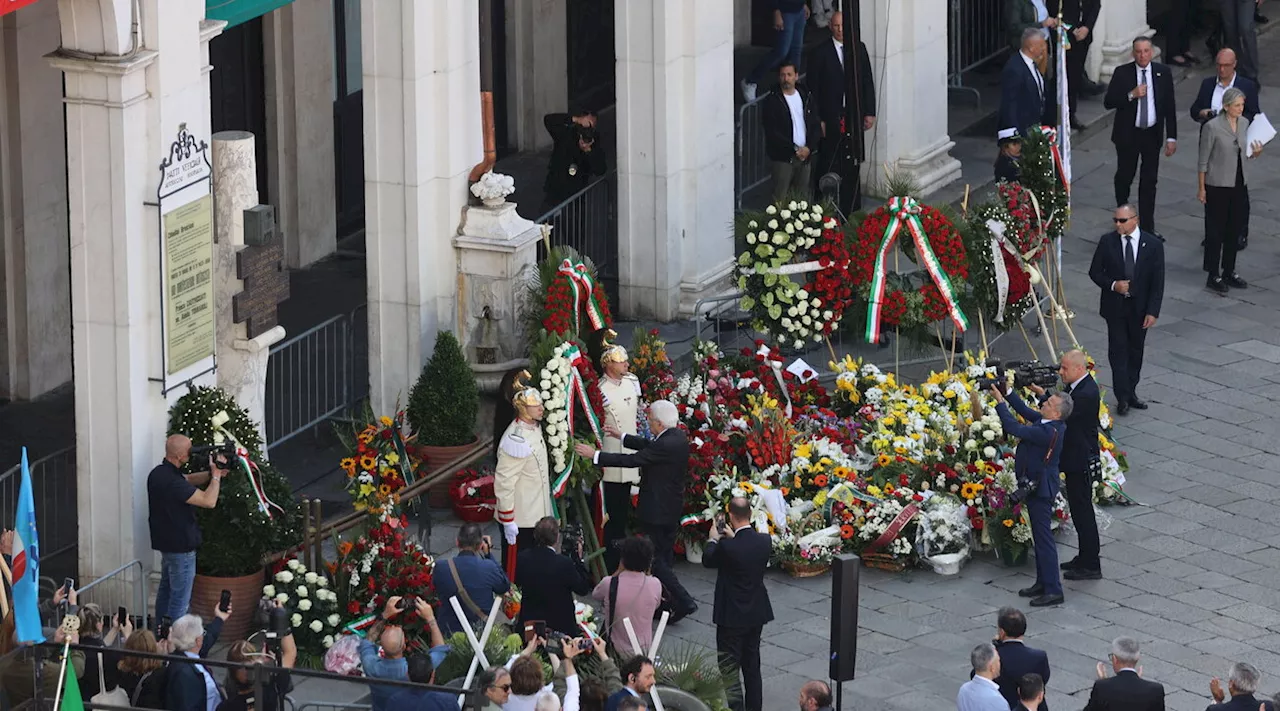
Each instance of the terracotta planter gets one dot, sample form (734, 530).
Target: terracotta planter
(435, 457)
(246, 590)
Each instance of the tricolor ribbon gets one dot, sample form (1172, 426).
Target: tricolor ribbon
(998, 246)
(220, 435)
(584, 294)
(895, 527)
(1051, 135)
(906, 211)
(397, 440)
(575, 391)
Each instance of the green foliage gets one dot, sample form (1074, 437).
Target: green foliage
(443, 403)
(498, 649)
(237, 535)
(1040, 176)
(695, 670)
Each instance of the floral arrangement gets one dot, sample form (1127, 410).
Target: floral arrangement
(585, 616)
(650, 364)
(986, 274)
(944, 527)
(556, 382)
(493, 186)
(793, 272)
(809, 541)
(315, 619)
(1007, 525)
(379, 467)
(567, 299)
(472, 495)
(383, 563)
(1041, 176)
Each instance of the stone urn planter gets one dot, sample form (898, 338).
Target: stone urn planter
(433, 458)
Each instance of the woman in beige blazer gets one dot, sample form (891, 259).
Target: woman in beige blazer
(1222, 192)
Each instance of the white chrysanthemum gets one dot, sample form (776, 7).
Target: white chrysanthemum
(282, 598)
(294, 564)
(302, 591)
(316, 626)
(268, 591)
(771, 210)
(328, 641)
(310, 578)
(304, 605)
(285, 577)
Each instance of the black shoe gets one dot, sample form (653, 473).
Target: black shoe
(1137, 404)
(1033, 591)
(1047, 600)
(1216, 285)
(1070, 564)
(1260, 18)
(1083, 574)
(1122, 409)
(1234, 281)
(1076, 125)
(677, 616)
(1092, 88)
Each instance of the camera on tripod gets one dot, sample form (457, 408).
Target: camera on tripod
(222, 453)
(1025, 373)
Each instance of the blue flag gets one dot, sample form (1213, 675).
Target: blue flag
(26, 563)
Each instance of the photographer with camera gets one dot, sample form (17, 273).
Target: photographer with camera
(576, 157)
(391, 664)
(1040, 443)
(529, 690)
(279, 650)
(1080, 462)
(172, 500)
(473, 576)
(549, 579)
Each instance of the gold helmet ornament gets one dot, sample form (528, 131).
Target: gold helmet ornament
(612, 352)
(525, 395)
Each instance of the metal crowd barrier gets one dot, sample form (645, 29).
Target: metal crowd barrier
(588, 222)
(53, 485)
(975, 35)
(316, 375)
(752, 164)
(325, 706)
(125, 587)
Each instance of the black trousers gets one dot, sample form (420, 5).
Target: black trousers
(1225, 215)
(836, 156)
(617, 502)
(664, 541)
(524, 541)
(1075, 70)
(739, 651)
(1125, 340)
(1080, 503)
(1145, 146)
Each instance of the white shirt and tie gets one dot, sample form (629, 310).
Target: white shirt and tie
(1219, 89)
(1146, 117)
(1035, 72)
(1127, 242)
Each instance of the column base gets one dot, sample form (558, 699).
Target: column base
(931, 168)
(708, 287)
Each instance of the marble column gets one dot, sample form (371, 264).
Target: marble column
(422, 135)
(298, 41)
(35, 288)
(675, 154)
(537, 68)
(1118, 24)
(910, 135)
(122, 111)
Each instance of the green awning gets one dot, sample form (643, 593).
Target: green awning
(238, 11)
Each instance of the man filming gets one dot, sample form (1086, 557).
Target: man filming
(172, 500)
(1036, 464)
(391, 663)
(576, 156)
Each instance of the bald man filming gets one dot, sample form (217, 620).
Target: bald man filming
(172, 499)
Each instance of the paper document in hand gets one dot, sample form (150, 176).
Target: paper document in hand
(1260, 131)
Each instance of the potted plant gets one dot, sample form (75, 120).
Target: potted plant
(1005, 525)
(694, 539)
(473, 496)
(237, 533)
(442, 410)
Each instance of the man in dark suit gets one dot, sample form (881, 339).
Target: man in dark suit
(830, 75)
(1016, 658)
(548, 580)
(741, 555)
(1080, 460)
(1022, 86)
(1080, 17)
(1128, 265)
(1209, 102)
(791, 134)
(1127, 689)
(1036, 466)
(473, 576)
(1242, 683)
(637, 679)
(664, 469)
(1141, 92)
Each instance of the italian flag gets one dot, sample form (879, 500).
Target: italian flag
(71, 700)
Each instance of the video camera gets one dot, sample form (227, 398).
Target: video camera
(1025, 373)
(570, 539)
(222, 453)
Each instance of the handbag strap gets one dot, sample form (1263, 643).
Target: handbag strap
(102, 680)
(613, 605)
(462, 593)
(137, 690)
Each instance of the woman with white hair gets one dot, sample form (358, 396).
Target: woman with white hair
(1223, 148)
(190, 686)
(664, 471)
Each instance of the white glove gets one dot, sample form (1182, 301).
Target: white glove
(509, 532)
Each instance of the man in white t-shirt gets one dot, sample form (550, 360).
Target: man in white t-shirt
(791, 134)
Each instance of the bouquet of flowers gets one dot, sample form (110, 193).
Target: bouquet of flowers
(472, 495)
(379, 467)
(944, 534)
(1007, 526)
(384, 563)
(650, 364)
(315, 618)
(585, 616)
(554, 382)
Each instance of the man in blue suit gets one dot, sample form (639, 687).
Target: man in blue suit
(637, 679)
(1016, 658)
(473, 576)
(1036, 466)
(1022, 87)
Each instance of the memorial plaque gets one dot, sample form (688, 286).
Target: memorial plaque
(266, 284)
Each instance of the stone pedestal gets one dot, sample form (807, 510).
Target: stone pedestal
(497, 259)
(419, 150)
(242, 361)
(1118, 24)
(675, 154)
(910, 135)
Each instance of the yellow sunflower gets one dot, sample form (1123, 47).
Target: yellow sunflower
(364, 438)
(368, 462)
(1008, 523)
(386, 421)
(883, 460)
(348, 463)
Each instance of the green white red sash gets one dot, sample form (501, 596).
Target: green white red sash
(905, 211)
(584, 294)
(1051, 135)
(574, 390)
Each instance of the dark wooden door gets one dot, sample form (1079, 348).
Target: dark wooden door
(348, 118)
(592, 61)
(237, 90)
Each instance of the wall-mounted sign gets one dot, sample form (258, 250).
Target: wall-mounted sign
(8, 6)
(186, 260)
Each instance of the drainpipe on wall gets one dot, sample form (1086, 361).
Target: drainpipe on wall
(486, 92)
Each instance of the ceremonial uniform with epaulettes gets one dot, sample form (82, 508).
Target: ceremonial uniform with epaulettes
(521, 483)
(622, 403)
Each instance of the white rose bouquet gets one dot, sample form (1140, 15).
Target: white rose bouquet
(312, 606)
(553, 381)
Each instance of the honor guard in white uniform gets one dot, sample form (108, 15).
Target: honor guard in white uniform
(521, 479)
(622, 404)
